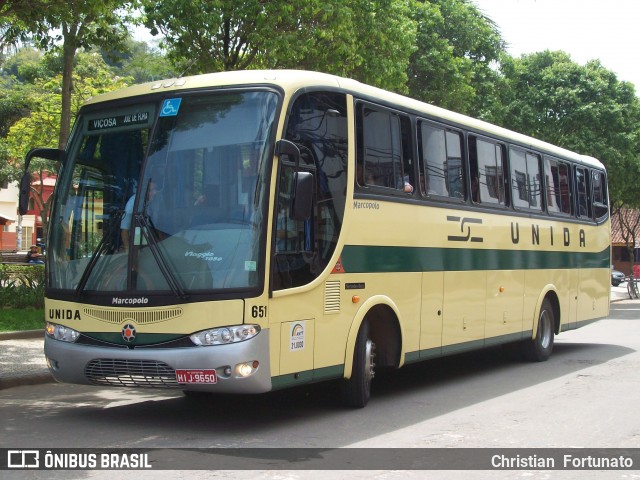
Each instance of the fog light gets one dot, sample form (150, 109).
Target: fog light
(246, 369)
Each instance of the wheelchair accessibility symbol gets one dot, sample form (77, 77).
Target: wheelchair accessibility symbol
(170, 107)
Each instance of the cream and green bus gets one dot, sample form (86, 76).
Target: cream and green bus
(249, 231)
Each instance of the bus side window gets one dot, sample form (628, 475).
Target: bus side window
(526, 189)
(384, 149)
(557, 176)
(534, 181)
(583, 207)
(599, 188)
(441, 163)
(487, 171)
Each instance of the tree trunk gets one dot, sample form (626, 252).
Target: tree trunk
(69, 53)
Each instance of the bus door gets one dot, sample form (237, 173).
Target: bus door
(303, 247)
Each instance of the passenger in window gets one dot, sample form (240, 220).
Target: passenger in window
(363, 179)
(405, 184)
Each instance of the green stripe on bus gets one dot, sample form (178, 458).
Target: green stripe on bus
(307, 376)
(380, 259)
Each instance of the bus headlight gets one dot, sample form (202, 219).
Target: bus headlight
(225, 335)
(62, 333)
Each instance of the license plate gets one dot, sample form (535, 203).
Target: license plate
(196, 376)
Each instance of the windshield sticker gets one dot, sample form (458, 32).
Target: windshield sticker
(250, 266)
(170, 107)
(118, 121)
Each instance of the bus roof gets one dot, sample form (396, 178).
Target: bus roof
(293, 80)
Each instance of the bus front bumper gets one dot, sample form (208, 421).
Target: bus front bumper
(234, 368)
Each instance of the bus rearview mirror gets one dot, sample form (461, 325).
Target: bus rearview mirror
(302, 202)
(53, 154)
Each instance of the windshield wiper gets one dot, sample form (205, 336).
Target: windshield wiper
(142, 219)
(107, 241)
(150, 237)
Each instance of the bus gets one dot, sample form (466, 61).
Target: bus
(243, 232)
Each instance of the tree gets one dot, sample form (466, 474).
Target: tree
(39, 128)
(81, 25)
(369, 40)
(456, 50)
(140, 61)
(584, 108)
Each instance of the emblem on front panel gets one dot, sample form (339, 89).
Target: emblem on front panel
(129, 333)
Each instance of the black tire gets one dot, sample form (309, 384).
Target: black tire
(539, 348)
(356, 391)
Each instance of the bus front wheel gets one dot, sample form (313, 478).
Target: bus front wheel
(356, 391)
(539, 348)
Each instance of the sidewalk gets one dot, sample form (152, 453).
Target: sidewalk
(22, 359)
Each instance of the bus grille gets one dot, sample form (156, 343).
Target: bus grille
(141, 317)
(130, 373)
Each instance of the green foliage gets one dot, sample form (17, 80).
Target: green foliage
(80, 25)
(369, 40)
(22, 286)
(457, 48)
(18, 319)
(140, 62)
(41, 126)
(15, 103)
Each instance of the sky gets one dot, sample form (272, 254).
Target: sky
(586, 29)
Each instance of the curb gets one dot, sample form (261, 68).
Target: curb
(22, 334)
(622, 299)
(33, 379)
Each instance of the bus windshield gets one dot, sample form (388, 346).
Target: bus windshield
(165, 196)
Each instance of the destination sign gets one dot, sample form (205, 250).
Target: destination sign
(116, 121)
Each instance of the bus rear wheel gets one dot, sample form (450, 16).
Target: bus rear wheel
(356, 391)
(539, 348)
